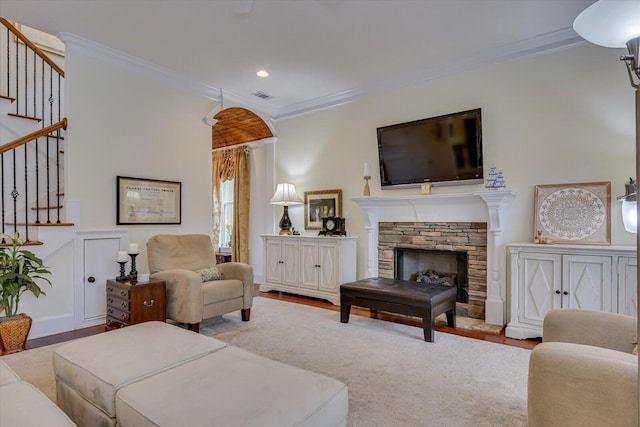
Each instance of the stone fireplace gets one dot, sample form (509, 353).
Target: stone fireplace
(446, 252)
(473, 223)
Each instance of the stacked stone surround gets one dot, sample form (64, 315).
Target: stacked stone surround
(469, 237)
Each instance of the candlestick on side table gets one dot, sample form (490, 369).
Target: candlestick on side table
(367, 177)
(122, 260)
(133, 253)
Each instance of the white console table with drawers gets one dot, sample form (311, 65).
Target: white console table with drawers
(546, 277)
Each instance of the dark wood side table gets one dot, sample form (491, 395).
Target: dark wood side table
(130, 302)
(222, 257)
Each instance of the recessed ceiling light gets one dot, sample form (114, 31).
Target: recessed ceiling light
(262, 73)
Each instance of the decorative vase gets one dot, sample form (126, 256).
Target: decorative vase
(13, 333)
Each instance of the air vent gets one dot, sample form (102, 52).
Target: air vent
(262, 95)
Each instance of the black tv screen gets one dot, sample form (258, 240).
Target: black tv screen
(441, 150)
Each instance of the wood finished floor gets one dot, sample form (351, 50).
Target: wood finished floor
(500, 338)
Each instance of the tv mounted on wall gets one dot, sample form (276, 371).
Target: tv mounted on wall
(443, 150)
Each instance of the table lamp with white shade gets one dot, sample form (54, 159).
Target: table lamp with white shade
(286, 196)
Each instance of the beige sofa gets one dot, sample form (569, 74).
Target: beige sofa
(177, 259)
(584, 373)
(21, 404)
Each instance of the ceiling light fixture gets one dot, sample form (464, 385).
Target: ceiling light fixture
(262, 73)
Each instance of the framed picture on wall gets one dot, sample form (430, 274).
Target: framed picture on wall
(321, 204)
(148, 201)
(574, 213)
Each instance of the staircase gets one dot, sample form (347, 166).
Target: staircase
(31, 137)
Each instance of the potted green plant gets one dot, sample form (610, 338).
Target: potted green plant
(20, 271)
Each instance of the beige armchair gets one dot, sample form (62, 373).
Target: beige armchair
(177, 259)
(584, 373)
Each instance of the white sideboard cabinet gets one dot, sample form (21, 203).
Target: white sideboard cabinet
(546, 277)
(309, 265)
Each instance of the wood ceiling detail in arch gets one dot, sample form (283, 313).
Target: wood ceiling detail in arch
(237, 126)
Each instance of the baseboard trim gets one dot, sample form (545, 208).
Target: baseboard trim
(46, 326)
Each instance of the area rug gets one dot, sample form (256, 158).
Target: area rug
(394, 377)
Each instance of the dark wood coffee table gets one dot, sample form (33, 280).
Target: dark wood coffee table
(403, 297)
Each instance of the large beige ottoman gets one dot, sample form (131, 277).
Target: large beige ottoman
(233, 387)
(21, 404)
(90, 371)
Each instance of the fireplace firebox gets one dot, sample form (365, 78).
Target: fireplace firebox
(436, 267)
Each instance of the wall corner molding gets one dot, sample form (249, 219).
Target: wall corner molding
(75, 44)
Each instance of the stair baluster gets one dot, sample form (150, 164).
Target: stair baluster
(27, 72)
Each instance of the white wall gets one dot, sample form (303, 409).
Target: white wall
(124, 123)
(261, 215)
(128, 124)
(565, 117)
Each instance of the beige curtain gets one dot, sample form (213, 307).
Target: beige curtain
(233, 163)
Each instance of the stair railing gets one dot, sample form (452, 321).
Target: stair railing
(33, 83)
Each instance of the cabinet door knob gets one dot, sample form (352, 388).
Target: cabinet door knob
(566, 293)
(148, 304)
(558, 292)
(91, 279)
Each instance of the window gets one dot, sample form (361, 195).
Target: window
(226, 215)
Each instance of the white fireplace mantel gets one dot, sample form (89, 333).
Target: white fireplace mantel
(478, 206)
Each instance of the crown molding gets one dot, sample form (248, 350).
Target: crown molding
(93, 50)
(539, 45)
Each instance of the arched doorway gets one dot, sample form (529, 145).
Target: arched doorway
(235, 128)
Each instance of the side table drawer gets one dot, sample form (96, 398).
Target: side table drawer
(117, 291)
(117, 303)
(122, 316)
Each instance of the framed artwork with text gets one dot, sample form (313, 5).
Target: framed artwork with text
(148, 201)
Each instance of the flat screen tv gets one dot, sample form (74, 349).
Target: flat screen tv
(443, 150)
